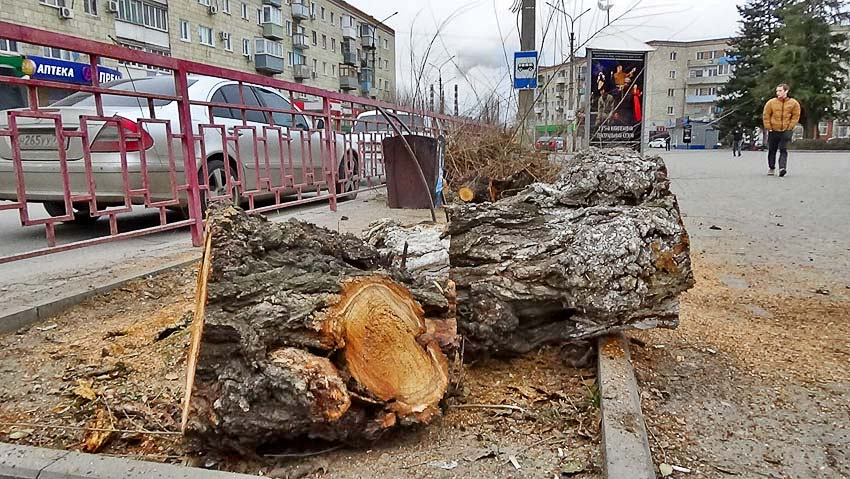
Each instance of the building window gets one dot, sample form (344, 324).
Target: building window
(386, 64)
(332, 18)
(333, 44)
(246, 47)
(225, 6)
(313, 9)
(155, 51)
(151, 15)
(672, 74)
(324, 68)
(226, 42)
(386, 44)
(264, 46)
(670, 110)
(322, 10)
(290, 58)
(671, 92)
(8, 45)
(823, 127)
(57, 53)
(315, 38)
(289, 28)
(206, 3)
(259, 16)
(205, 36)
(90, 7)
(674, 56)
(272, 15)
(315, 66)
(53, 3)
(244, 11)
(185, 31)
(325, 42)
(333, 70)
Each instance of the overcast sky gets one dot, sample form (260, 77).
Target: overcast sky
(482, 34)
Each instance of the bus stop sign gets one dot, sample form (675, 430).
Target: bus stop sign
(525, 70)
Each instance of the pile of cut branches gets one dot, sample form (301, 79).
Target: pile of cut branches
(487, 164)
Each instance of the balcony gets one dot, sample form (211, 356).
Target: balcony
(274, 31)
(712, 80)
(368, 37)
(700, 98)
(349, 32)
(348, 78)
(274, 3)
(707, 62)
(349, 58)
(300, 12)
(266, 63)
(299, 41)
(301, 72)
(366, 77)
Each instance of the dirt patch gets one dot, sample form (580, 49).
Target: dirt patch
(754, 383)
(117, 362)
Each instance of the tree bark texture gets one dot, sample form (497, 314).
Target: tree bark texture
(603, 249)
(309, 333)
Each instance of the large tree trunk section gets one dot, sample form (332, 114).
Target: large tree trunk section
(308, 333)
(601, 250)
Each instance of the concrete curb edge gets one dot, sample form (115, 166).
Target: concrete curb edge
(27, 462)
(39, 312)
(625, 445)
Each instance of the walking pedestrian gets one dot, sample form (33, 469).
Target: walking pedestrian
(737, 139)
(667, 142)
(781, 115)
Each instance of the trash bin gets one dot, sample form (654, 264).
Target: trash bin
(404, 186)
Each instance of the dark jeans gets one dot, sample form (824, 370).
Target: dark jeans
(777, 140)
(736, 147)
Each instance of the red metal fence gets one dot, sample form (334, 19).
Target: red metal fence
(173, 142)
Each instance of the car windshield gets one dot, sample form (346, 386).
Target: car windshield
(162, 85)
(377, 123)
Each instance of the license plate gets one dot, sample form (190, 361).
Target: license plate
(36, 141)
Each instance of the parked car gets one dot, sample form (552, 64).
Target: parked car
(371, 127)
(542, 143)
(40, 152)
(556, 143)
(658, 143)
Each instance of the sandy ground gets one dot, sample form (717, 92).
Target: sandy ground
(118, 362)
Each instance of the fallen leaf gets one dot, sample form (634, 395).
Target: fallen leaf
(172, 376)
(85, 390)
(571, 468)
(95, 439)
(665, 469)
(21, 434)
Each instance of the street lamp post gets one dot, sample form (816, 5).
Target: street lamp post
(440, 82)
(571, 99)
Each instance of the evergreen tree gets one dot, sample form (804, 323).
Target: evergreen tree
(810, 57)
(739, 98)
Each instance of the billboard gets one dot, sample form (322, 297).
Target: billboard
(616, 102)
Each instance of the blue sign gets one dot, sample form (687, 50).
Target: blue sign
(525, 70)
(70, 72)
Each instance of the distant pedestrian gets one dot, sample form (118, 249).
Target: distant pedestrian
(737, 139)
(667, 142)
(781, 115)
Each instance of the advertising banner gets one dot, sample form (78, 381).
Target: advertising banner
(616, 102)
(70, 72)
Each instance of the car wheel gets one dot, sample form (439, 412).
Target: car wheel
(349, 167)
(81, 212)
(216, 174)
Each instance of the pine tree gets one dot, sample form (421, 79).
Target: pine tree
(810, 57)
(740, 100)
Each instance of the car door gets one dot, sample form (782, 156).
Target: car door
(302, 160)
(247, 126)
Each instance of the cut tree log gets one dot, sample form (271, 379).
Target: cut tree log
(474, 190)
(427, 254)
(308, 333)
(601, 250)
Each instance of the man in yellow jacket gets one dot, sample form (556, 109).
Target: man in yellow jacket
(781, 115)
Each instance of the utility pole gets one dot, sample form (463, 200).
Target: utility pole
(527, 42)
(442, 96)
(571, 95)
(431, 99)
(456, 110)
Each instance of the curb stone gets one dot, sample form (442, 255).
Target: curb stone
(625, 446)
(26, 462)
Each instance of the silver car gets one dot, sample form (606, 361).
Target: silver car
(290, 155)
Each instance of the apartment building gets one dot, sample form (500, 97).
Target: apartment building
(552, 110)
(328, 44)
(683, 81)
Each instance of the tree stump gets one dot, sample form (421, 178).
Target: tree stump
(307, 333)
(601, 250)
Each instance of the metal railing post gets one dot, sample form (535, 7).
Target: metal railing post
(190, 165)
(330, 145)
